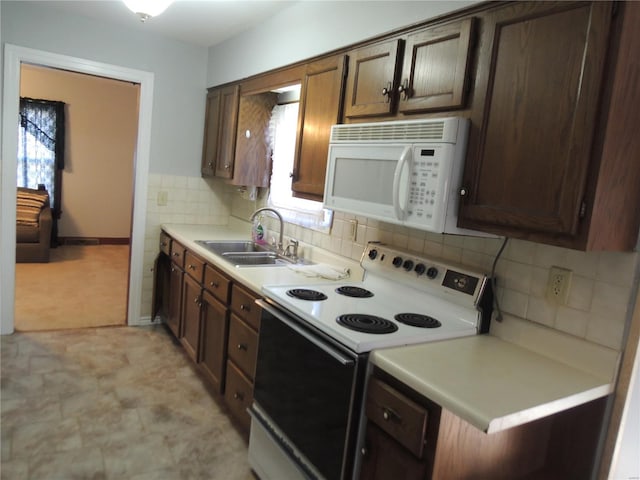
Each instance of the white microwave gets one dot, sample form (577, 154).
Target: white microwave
(401, 172)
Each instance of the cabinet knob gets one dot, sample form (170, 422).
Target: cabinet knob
(387, 91)
(210, 164)
(403, 89)
(176, 254)
(385, 415)
(245, 308)
(464, 191)
(191, 267)
(363, 451)
(238, 396)
(227, 166)
(214, 284)
(242, 346)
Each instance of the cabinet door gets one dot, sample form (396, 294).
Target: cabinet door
(211, 126)
(192, 301)
(214, 334)
(320, 107)
(220, 132)
(383, 458)
(372, 78)
(252, 164)
(175, 300)
(536, 98)
(434, 72)
(243, 346)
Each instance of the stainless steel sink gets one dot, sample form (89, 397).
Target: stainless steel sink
(245, 253)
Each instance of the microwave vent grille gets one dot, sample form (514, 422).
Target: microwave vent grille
(390, 131)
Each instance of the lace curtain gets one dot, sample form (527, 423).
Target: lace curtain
(41, 136)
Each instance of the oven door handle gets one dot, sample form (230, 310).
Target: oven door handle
(318, 343)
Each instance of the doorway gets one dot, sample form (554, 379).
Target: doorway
(93, 233)
(15, 56)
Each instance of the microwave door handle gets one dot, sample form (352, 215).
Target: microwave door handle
(400, 210)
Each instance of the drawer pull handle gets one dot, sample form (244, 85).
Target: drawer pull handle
(238, 396)
(245, 307)
(214, 284)
(390, 414)
(192, 267)
(176, 254)
(242, 346)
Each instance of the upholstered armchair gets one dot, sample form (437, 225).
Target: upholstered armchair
(33, 226)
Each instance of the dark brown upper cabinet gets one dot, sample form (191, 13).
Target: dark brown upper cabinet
(321, 98)
(553, 155)
(220, 132)
(435, 69)
(372, 80)
(426, 70)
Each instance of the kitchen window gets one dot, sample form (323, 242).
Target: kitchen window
(283, 128)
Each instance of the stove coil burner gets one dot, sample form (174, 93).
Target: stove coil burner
(366, 323)
(306, 294)
(356, 292)
(417, 320)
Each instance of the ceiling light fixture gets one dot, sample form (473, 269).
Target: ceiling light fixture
(145, 9)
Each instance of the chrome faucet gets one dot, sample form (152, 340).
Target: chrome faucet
(277, 214)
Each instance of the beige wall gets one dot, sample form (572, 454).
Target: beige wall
(101, 117)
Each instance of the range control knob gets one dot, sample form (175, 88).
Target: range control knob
(420, 268)
(432, 272)
(373, 253)
(397, 261)
(408, 265)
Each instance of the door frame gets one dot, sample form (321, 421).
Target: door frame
(14, 56)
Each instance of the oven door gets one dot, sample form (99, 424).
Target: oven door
(307, 389)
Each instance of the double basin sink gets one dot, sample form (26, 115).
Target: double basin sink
(245, 253)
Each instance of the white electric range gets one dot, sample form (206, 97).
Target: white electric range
(403, 299)
(312, 360)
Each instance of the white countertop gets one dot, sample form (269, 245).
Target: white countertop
(514, 375)
(255, 277)
(491, 383)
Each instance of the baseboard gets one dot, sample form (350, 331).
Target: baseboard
(145, 322)
(93, 241)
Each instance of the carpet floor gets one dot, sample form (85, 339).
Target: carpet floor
(82, 286)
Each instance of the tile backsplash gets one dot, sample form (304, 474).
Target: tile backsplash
(602, 288)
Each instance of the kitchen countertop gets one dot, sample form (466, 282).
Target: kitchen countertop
(256, 277)
(491, 383)
(515, 374)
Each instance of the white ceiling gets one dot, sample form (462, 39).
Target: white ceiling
(199, 22)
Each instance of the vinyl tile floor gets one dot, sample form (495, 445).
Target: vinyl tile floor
(111, 403)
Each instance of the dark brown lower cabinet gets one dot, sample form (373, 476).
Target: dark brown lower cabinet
(213, 348)
(238, 394)
(410, 437)
(175, 300)
(192, 299)
(384, 458)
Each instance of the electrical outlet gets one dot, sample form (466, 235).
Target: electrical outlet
(163, 198)
(558, 285)
(353, 230)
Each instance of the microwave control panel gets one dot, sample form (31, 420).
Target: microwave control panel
(427, 186)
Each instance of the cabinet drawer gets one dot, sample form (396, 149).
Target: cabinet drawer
(177, 253)
(193, 266)
(400, 417)
(244, 306)
(165, 243)
(217, 284)
(243, 346)
(238, 394)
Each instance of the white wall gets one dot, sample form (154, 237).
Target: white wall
(314, 27)
(179, 72)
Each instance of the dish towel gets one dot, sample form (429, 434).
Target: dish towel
(320, 270)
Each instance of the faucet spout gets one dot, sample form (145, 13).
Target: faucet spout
(277, 214)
